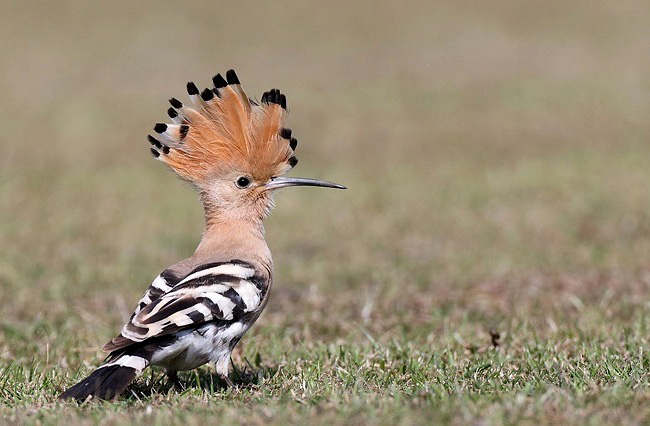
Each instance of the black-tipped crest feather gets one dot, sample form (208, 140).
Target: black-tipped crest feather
(231, 77)
(207, 94)
(192, 89)
(219, 81)
(176, 103)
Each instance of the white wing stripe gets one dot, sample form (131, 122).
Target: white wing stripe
(160, 284)
(249, 294)
(207, 313)
(180, 318)
(132, 361)
(235, 270)
(199, 291)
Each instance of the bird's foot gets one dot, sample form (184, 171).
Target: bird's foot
(173, 378)
(226, 379)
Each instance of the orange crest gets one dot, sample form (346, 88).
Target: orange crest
(226, 132)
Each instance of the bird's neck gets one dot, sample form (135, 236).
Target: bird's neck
(234, 238)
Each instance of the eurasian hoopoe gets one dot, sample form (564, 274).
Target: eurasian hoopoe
(234, 151)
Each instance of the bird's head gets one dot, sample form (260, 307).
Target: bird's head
(234, 150)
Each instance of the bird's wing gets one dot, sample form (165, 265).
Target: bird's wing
(163, 283)
(223, 291)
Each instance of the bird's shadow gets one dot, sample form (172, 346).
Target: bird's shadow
(157, 382)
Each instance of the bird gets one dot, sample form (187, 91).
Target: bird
(235, 151)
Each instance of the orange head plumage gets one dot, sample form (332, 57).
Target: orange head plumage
(229, 142)
(227, 131)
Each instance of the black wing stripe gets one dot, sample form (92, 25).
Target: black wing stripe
(208, 280)
(169, 277)
(215, 264)
(170, 309)
(214, 308)
(196, 317)
(235, 298)
(134, 329)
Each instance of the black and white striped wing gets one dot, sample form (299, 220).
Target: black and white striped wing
(224, 291)
(161, 285)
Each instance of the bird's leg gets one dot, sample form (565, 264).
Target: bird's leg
(221, 367)
(173, 377)
(226, 379)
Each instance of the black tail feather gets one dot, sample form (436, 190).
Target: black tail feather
(104, 383)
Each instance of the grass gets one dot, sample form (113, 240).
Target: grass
(497, 159)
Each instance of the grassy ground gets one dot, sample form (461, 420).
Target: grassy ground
(490, 262)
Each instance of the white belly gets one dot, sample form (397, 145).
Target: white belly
(193, 348)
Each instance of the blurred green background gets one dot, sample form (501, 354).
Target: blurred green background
(497, 156)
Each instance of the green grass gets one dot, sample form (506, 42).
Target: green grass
(497, 158)
(576, 373)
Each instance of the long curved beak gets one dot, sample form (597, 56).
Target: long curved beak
(281, 182)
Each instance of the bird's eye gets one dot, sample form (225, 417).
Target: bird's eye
(243, 182)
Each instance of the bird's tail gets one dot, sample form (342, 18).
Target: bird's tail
(109, 380)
